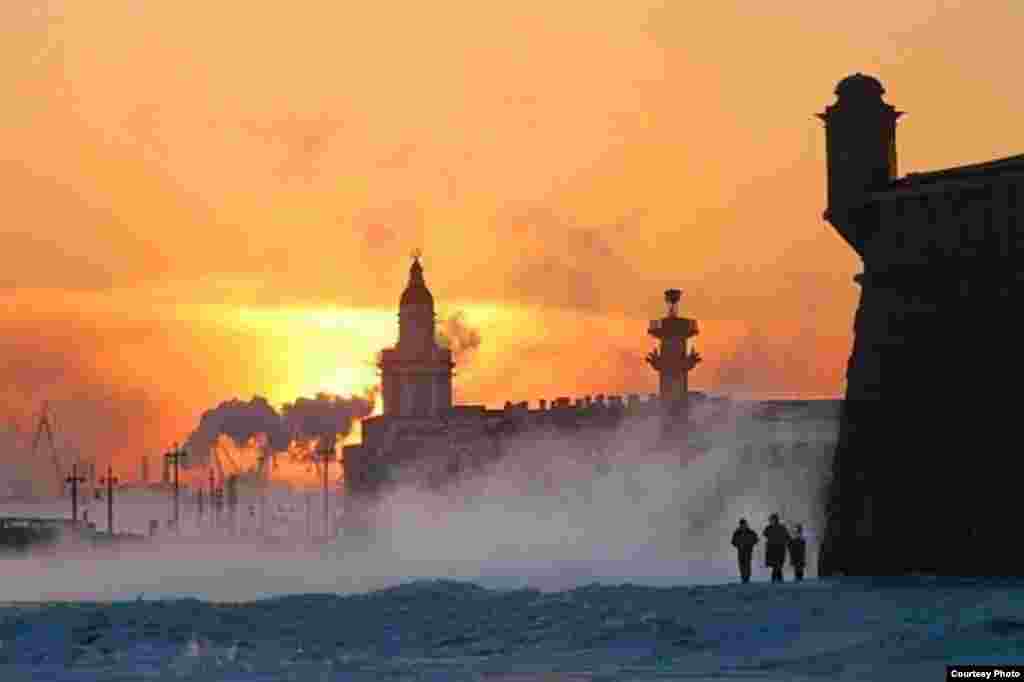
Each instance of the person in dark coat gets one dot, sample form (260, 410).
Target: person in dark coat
(798, 552)
(776, 539)
(744, 539)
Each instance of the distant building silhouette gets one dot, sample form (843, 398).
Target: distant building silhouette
(922, 478)
(423, 440)
(673, 364)
(416, 375)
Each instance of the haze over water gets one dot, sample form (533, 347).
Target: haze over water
(541, 518)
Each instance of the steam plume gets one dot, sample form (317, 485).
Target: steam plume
(241, 421)
(458, 337)
(324, 417)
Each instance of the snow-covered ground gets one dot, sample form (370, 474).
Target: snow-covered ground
(612, 570)
(447, 630)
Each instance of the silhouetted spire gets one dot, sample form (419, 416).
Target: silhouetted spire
(416, 292)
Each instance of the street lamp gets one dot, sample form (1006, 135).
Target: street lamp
(325, 453)
(232, 502)
(74, 479)
(217, 507)
(174, 457)
(110, 481)
(211, 501)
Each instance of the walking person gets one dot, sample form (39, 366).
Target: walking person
(776, 540)
(798, 553)
(744, 539)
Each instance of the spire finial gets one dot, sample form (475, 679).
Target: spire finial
(416, 271)
(672, 297)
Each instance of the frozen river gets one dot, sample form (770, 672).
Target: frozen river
(448, 630)
(549, 565)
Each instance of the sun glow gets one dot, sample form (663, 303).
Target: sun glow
(351, 381)
(333, 350)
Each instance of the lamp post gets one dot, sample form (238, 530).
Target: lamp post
(325, 454)
(212, 522)
(232, 503)
(74, 479)
(110, 481)
(264, 484)
(217, 505)
(174, 457)
(309, 518)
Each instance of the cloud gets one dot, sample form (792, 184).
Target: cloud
(559, 262)
(774, 362)
(96, 416)
(303, 142)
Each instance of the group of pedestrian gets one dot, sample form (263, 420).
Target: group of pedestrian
(778, 543)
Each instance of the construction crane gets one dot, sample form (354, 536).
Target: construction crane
(46, 425)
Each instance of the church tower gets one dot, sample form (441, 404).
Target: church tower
(416, 375)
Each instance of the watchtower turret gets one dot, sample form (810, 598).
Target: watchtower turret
(860, 139)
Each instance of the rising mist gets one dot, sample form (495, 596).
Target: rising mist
(543, 516)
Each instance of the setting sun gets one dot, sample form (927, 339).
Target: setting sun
(348, 381)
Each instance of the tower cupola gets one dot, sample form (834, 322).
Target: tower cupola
(416, 314)
(416, 292)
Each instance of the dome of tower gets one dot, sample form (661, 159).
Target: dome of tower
(859, 86)
(416, 292)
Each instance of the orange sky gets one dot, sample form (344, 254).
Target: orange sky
(209, 200)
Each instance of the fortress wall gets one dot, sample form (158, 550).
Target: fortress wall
(922, 433)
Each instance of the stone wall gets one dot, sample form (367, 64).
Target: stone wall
(922, 477)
